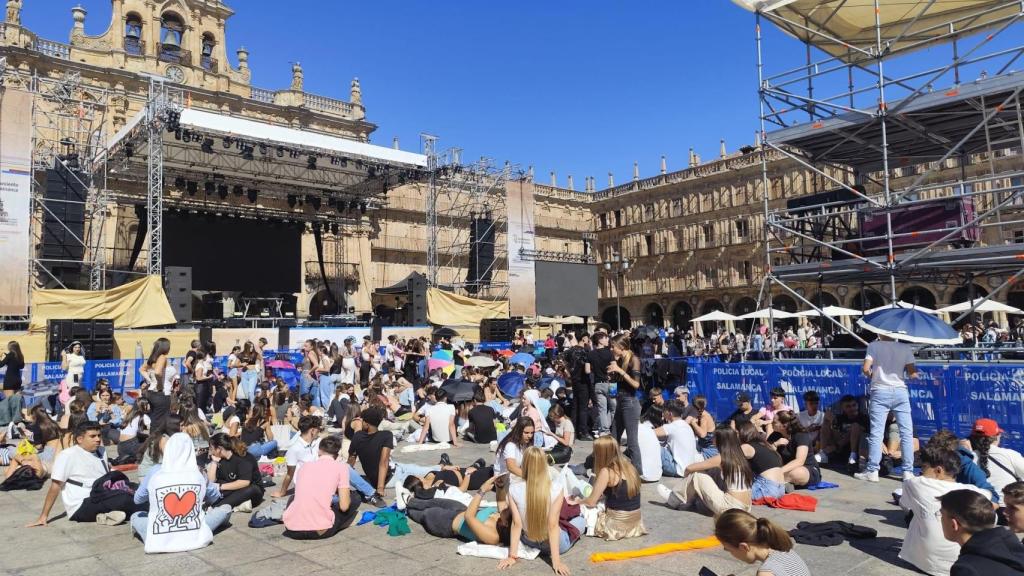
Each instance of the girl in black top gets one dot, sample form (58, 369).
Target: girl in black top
(625, 371)
(795, 445)
(14, 360)
(234, 471)
(765, 462)
(257, 434)
(619, 483)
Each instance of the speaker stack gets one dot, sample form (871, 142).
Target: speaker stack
(178, 287)
(63, 228)
(498, 329)
(418, 300)
(96, 336)
(481, 253)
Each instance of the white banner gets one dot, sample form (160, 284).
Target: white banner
(522, 283)
(15, 190)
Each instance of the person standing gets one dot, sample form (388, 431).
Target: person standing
(14, 360)
(72, 361)
(625, 373)
(604, 394)
(886, 362)
(189, 365)
(577, 359)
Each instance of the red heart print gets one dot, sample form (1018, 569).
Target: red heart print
(179, 506)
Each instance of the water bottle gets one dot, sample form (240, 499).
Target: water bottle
(138, 349)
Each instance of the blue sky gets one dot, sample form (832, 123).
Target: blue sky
(582, 88)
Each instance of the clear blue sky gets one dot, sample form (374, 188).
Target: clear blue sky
(579, 87)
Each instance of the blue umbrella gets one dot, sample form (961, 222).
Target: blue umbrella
(511, 383)
(523, 358)
(910, 325)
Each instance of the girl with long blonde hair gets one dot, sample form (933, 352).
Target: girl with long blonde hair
(619, 484)
(536, 506)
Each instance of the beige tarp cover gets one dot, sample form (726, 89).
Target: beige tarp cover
(138, 304)
(905, 23)
(448, 309)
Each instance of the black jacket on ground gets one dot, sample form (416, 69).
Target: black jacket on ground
(992, 552)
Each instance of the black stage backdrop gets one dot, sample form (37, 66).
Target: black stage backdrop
(228, 254)
(566, 289)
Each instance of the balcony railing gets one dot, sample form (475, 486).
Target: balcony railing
(174, 56)
(328, 105)
(134, 46)
(261, 95)
(53, 49)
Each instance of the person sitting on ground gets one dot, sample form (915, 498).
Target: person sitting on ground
(811, 417)
(509, 452)
(235, 472)
(650, 452)
(618, 483)
(794, 444)
(842, 434)
(744, 412)
(1003, 466)
(439, 421)
(751, 540)
(313, 513)
(257, 433)
(970, 472)
(107, 415)
(536, 505)
(176, 490)
(969, 521)
(564, 435)
(445, 518)
(373, 449)
(700, 489)
(765, 462)
(152, 450)
(703, 424)
(74, 472)
(481, 428)
(680, 448)
(134, 431)
(46, 437)
(924, 545)
(776, 404)
(1013, 502)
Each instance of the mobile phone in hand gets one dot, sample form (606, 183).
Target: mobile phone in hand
(705, 571)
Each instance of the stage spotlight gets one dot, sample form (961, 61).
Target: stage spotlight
(247, 153)
(362, 207)
(314, 201)
(222, 191)
(359, 164)
(311, 162)
(177, 134)
(263, 149)
(192, 187)
(371, 172)
(252, 194)
(238, 190)
(293, 153)
(280, 151)
(210, 187)
(292, 201)
(227, 141)
(353, 206)
(129, 150)
(334, 227)
(208, 145)
(344, 162)
(179, 182)
(331, 202)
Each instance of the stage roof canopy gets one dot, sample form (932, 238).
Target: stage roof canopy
(842, 28)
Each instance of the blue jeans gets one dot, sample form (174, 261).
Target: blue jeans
(215, 518)
(564, 544)
(325, 391)
(668, 464)
(765, 488)
(605, 407)
(403, 471)
(885, 399)
(258, 449)
(247, 385)
(306, 383)
(359, 484)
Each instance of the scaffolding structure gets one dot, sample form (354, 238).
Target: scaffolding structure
(457, 195)
(881, 145)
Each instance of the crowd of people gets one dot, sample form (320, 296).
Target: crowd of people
(203, 442)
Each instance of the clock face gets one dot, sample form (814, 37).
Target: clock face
(175, 74)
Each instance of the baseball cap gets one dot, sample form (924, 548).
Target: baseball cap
(987, 427)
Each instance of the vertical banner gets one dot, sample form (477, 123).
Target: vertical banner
(15, 190)
(522, 284)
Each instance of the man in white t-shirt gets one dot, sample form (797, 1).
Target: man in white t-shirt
(439, 421)
(680, 448)
(811, 417)
(650, 452)
(885, 362)
(74, 471)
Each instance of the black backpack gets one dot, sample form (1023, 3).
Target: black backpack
(23, 478)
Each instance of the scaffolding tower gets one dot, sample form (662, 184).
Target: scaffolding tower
(890, 98)
(466, 210)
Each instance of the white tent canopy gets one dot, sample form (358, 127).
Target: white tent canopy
(766, 313)
(986, 306)
(902, 304)
(832, 312)
(716, 316)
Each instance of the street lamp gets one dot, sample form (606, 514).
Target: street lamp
(619, 267)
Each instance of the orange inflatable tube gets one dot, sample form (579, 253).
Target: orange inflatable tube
(699, 544)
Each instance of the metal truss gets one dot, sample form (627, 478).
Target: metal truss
(556, 256)
(847, 111)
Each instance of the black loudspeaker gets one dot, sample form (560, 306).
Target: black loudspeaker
(376, 329)
(102, 329)
(63, 226)
(497, 329)
(101, 350)
(282, 337)
(481, 253)
(213, 306)
(418, 301)
(236, 323)
(205, 334)
(96, 337)
(178, 287)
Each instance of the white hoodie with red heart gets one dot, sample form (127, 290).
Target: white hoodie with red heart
(176, 521)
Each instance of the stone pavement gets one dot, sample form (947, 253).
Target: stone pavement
(68, 549)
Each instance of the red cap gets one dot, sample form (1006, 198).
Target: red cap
(987, 427)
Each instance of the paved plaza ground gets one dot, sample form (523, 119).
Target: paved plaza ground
(68, 549)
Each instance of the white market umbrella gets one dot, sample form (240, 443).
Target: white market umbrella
(716, 316)
(766, 313)
(481, 361)
(986, 306)
(905, 306)
(832, 312)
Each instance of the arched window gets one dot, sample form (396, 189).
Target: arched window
(133, 43)
(206, 60)
(172, 33)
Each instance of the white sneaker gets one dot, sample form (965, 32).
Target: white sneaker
(671, 498)
(110, 518)
(246, 507)
(852, 460)
(907, 474)
(821, 457)
(494, 446)
(867, 476)
(664, 492)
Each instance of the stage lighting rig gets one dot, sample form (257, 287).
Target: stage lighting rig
(209, 188)
(179, 182)
(228, 141)
(208, 145)
(129, 150)
(311, 162)
(247, 153)
(238, 190)
(253, 194)
(222, 191)
(292, 200)
(192, 187)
